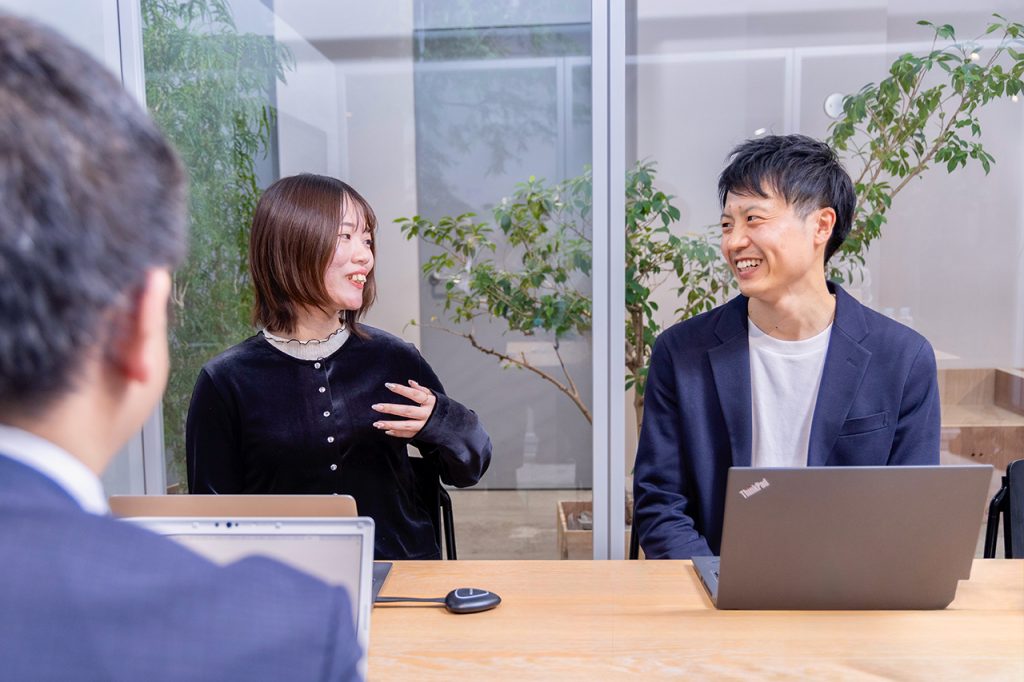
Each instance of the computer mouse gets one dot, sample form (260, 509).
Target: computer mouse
(470, 600)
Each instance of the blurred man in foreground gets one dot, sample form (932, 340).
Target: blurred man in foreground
(91, 223)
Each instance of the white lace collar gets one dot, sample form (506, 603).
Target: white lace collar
(314, 349)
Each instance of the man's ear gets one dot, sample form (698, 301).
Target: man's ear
(824, 223)
(140, 348)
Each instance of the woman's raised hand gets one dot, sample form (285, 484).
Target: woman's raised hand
(415, 416)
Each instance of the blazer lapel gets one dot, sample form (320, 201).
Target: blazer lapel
(845, 365)
(730, 365)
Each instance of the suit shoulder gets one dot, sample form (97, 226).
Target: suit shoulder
(890, 335)
(252, 615)
(696, 332)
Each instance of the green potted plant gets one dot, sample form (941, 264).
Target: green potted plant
(924, 113)
(543, 228)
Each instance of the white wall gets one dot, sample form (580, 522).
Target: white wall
(380, 152)
(90, 24)
(354, 118)
(309, 123)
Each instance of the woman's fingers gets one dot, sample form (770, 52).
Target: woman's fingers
(414, 392)
(409, 411)
(416, 415)
(402, 429)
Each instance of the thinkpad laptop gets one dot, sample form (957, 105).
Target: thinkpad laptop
(336, 550)
(846, 537)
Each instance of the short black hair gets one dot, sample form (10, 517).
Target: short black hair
(91, 198)
(804, 171)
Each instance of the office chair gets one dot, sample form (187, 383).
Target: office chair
(434, 496)
(448, 519)
(443, 520)
(634, 538)
(1009, 502)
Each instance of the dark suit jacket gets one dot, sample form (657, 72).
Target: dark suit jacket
(88, 597)
(878, 404)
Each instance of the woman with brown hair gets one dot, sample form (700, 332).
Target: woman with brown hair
(316, 403)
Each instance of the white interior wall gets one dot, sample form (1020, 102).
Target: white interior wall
(308, 125)
(380, 149)
(356, 119)
(90, 24)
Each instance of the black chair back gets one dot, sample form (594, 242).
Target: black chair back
(448, 518)
(436, 498)
(634, 539)
(1008, 502)
(1014, 516)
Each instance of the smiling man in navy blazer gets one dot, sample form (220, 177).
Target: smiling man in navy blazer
(91, 222)
(793, 372)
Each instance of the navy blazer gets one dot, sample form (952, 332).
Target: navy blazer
(89, 597)
(878, 404)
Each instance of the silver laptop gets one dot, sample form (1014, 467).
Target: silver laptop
(338, 550)
(276, 506)
(846, 537)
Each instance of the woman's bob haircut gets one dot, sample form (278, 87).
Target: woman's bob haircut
(294, 236)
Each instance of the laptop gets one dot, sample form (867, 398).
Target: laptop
(846, 537)
(127, 506)
(337, 550)
(131, 506)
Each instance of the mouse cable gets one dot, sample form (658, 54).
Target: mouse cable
(392, 600)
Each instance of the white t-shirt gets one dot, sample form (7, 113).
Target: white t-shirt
(784, 381)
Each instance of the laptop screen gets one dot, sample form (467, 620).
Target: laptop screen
(339, 551)
(332, 558)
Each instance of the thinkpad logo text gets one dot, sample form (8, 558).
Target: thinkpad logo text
(757, 487)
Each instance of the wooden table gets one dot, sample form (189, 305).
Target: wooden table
(607, 620)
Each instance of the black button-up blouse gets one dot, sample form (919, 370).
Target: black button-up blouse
(263, 422)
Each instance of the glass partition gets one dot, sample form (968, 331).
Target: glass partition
(431, 109)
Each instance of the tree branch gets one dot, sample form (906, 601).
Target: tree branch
(570, 391)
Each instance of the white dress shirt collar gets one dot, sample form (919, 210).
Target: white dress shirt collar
(56, 464)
